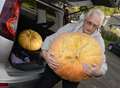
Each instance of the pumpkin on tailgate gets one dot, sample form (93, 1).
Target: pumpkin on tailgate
(30, 40)
(71, 51)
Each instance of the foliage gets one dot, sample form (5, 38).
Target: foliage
(108, 11)
(29, 4)
(109, 36)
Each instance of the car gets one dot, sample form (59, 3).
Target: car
(114, 47)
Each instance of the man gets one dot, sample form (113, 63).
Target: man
(91, 24)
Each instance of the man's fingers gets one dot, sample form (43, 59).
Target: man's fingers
(53, 64)
(89, 69)
(51, 55)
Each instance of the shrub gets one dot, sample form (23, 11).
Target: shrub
(109, 36)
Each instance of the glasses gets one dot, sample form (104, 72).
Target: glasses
(93, 25)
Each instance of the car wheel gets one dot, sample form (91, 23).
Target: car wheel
(110, 47)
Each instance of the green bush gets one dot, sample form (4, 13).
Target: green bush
(109, 36)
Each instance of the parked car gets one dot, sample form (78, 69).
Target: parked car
(114, 47)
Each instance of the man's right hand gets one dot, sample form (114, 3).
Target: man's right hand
(50, 59)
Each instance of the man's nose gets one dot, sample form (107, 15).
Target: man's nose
(90, 27)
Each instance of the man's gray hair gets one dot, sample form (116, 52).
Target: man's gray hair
(97, 12)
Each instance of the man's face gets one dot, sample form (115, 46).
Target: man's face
(91, 24)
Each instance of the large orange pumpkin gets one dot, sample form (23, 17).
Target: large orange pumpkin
(71, 50)
(30, 40)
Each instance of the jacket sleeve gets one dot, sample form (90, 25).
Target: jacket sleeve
(104, 67)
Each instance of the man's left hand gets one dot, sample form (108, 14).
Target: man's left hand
(90, 69)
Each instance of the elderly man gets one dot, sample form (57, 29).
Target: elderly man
(91, 24)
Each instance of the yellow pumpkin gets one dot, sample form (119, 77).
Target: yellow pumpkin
(71, 51)
(30, 40)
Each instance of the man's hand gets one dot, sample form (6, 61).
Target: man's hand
(50, 59)
(90, 70)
